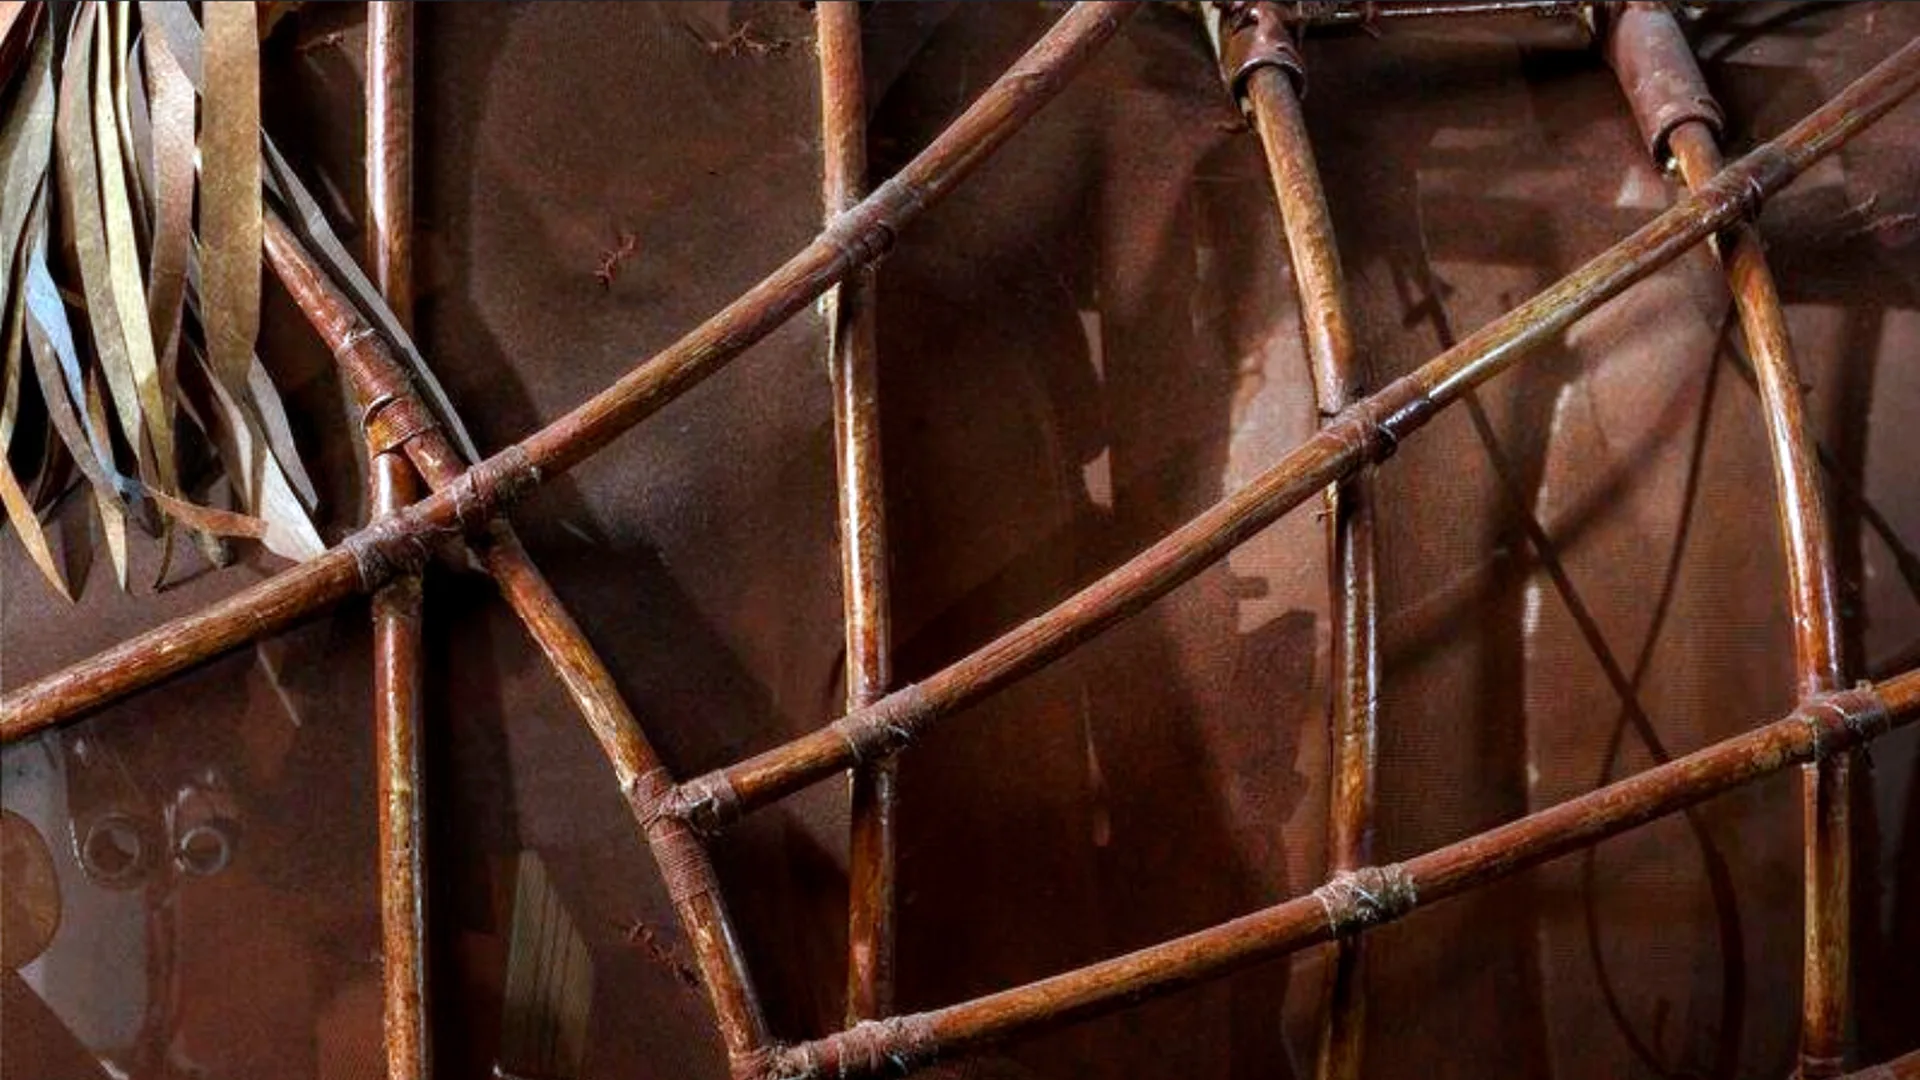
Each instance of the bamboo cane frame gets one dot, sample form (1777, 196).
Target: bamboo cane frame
(1265, 70)
(1365, 433)
(1681, 122)
(1827, 724)
(1813, 592)
(397, 606)
(853, 365)
(855, 239)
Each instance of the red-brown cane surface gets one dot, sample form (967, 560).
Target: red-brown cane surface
(1272, 97)
(854, 369)
(396, 607)
(1679, 117)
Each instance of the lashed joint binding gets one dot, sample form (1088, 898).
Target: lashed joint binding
(897, 1045)
(706, 803)
(1843, 719)
(1374, 425)
(401, 543)
(1369, 896)
(866, 232)
(883, 727)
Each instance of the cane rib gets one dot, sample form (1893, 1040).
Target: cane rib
(1680, 120)
(396, 607)
(853, 366)
(1265, 66)
(1813, 595)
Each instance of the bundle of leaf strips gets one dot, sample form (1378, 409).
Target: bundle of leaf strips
(122, 313)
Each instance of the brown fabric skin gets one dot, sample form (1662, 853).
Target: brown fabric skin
(1091, 340)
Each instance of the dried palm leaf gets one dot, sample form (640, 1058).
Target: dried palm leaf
(174, 43)
(102, 103)
(19, 508)
(84, 224)
(123, 259)
(230, 225)
(171, 27)
(24, 152)
(171, 114)
(72, 399)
